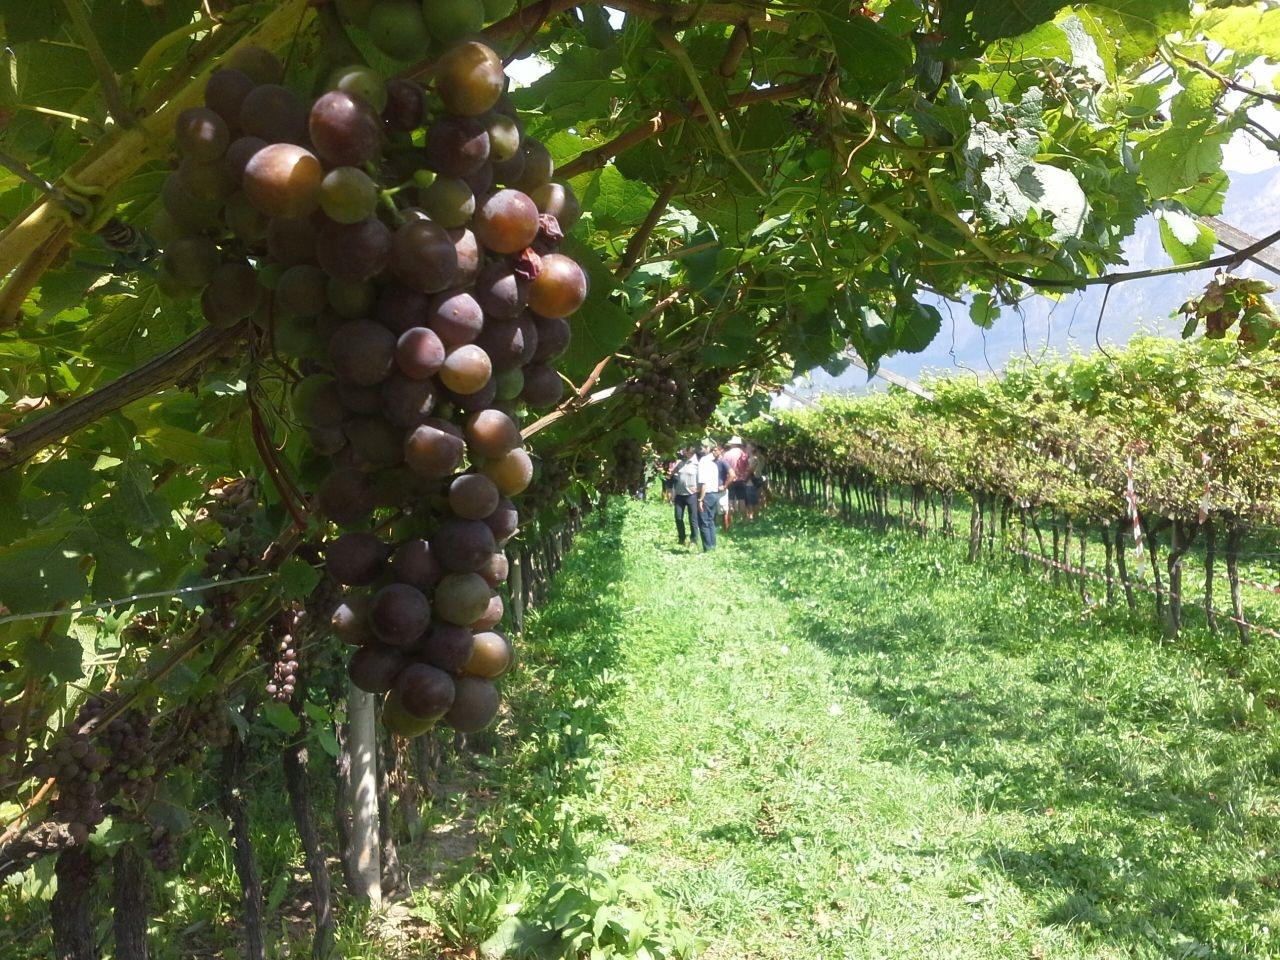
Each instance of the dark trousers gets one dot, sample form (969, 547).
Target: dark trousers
(689, 502)
(707, 520)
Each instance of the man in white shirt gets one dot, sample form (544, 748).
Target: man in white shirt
(708, 494)
(684, 494)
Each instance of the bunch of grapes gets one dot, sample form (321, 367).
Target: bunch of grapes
(550, 481)
(669, 395)
(200, 727)
(12, 749)
(232, 505)
(626, 474)
(74, 761)
(421, 332)
(282, 641)
(129, 742)
(162, 849)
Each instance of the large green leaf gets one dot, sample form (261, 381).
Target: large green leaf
(870, 57)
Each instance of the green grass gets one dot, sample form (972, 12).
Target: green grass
(822, 742)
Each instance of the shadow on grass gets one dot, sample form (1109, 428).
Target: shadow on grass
(1141, 833)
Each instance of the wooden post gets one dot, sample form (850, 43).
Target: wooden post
(366, 856)
(235, 807)
(71, 909)
(298, 785)
(1108, 549)
(1210, 558)
(129, 904)
(1122, 566)
(1235, 533)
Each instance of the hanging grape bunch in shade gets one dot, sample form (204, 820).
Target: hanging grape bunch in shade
(420, 294)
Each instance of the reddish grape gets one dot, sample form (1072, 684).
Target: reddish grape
(355, 558)
(362, 352)
(433, 450)
(283, 180)
(412, 563)
(560, 287)
(274, 114)
(457, 146)
(423, 257)
(447, 646)
(354, 252)
(466, 370)
(538, 167)
(455, 317)
(475, 704)
(469, 78)
(374, 667)
(490, 653)
(406, 105)
(553, 338)
(399, 614)
(225, 92)
(419, 353)
(345, 130)
(543, 387)
(408, 402)
(291, 240)
(500, 292)
(473, 496)
(506, 222)
(512, 472)
(202, 134)
(424, 691)
(491, 433)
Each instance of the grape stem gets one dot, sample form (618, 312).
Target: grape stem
(117, 106)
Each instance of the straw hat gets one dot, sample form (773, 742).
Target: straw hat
(735, 441)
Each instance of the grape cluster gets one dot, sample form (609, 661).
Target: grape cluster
(550, 481)
(233, 506)
(128, 741)
(162, 849)
(12, 749)
(421, 333)
(669, 395)
(76, 763)
(202, 726)
(626, 473)
(282, 642)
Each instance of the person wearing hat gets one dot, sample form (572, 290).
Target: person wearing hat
(742, 488)
(708, 491)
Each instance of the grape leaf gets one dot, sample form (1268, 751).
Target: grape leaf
(1185, 238)
(870, 57)
(57, 656)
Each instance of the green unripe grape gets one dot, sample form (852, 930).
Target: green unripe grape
(397, 29)
(504, 137)
(510, 383)
(448, 201)
(360, 81)
(355, 11)
(348, 195)
(450, 20)
(351, 301)
(497, 9)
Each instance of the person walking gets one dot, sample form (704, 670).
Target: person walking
(708, 491)
(742, 490)
(726, 480)
(684, 479)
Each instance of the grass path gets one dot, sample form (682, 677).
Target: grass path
(819, 742)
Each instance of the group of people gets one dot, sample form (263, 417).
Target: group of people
(711, 481)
